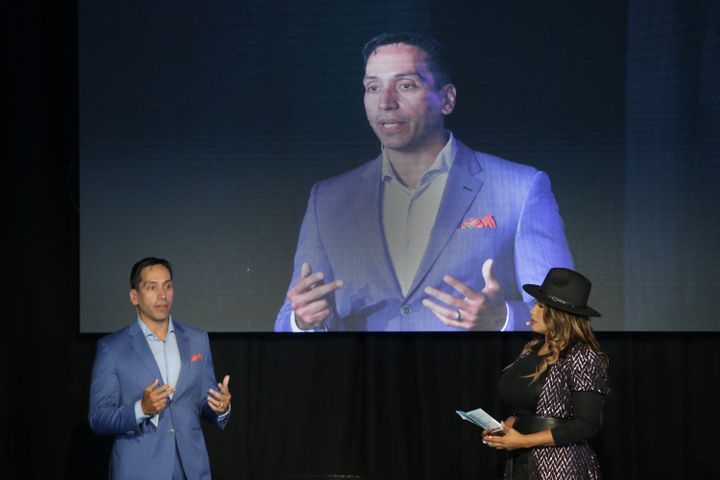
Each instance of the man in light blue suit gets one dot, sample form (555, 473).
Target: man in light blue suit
(431, 235)
(151, 383)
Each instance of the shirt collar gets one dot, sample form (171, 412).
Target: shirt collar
(146, 331)
(442, 164)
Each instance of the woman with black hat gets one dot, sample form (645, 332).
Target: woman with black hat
(556, 387)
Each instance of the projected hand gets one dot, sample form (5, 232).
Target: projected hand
(154, 399)
(484, 310)
(308, 297)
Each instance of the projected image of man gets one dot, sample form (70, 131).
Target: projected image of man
(430, 235)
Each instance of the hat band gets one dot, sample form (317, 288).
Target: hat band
(560, 300)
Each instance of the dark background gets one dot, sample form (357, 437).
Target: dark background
(381, 406)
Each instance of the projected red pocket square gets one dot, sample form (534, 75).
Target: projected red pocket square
(196, 358)
(473, 222)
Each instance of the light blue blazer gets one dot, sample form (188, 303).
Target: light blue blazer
(124, 366)
(342, 236)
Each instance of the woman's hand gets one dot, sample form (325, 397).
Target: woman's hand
(511, 439)
(507, 439)
(508, 423)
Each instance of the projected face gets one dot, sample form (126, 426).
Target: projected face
(405, 108)
(537, 319)
(154, 296)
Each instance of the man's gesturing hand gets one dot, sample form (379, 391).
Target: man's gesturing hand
(308, 297)
(219, 402)
(155, 399)
(484, 310)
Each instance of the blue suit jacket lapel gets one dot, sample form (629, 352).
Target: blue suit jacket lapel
(139, 343)
(461, 189)
(183, 343)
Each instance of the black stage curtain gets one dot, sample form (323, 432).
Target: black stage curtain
(376, 406)
(379, 407)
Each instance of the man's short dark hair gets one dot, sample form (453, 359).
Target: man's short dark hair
(435, 53)
(136, 271)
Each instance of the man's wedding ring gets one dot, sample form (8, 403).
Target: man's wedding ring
(458, 315)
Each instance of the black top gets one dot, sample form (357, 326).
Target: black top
(515, 388)
(522, 394)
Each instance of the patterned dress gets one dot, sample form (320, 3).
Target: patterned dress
(579, 369)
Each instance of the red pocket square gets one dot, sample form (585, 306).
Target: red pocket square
(473, 222)
(196, 358)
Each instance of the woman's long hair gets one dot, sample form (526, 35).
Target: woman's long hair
(563, 329)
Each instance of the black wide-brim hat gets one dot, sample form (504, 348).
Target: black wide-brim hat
(566, 290)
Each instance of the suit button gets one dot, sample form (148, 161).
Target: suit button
(172, 431)
(405, 310)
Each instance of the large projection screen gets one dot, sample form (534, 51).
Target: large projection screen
(204, 126)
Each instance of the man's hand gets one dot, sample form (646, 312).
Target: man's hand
(219, 402)
(308, 298)
(154, 399)
(484, 310)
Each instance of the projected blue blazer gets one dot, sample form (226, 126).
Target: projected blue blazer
(491, 208)
(124, 366)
